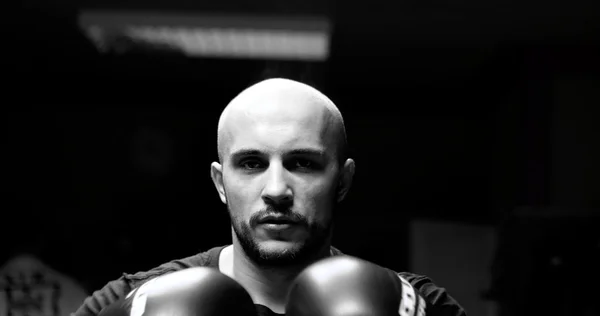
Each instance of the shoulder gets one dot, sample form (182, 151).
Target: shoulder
(207, 258)
(435, 295)
(117, 289)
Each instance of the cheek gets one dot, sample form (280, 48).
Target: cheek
(239, 199)
(319, 201)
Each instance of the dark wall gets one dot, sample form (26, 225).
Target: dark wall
(107, 157)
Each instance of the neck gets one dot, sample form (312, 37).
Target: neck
(266, 286)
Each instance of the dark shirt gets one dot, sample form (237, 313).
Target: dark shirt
(436, 297)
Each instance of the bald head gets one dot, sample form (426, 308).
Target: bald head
(282, 103)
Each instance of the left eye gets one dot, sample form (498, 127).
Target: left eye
(301, 163)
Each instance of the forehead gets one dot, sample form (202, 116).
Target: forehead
(279, 125)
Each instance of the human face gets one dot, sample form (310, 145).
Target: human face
(280, 178)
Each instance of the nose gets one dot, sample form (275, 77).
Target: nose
(277, 189)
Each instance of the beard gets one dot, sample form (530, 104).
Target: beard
(300, 254)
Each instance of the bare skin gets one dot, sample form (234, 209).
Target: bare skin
(294, 135)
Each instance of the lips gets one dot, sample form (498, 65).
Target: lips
(277, 220)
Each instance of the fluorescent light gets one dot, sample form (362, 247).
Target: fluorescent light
(219, 37)
(232, 43)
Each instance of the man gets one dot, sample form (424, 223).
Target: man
(282, 169)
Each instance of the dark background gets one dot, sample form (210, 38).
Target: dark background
(455, 111)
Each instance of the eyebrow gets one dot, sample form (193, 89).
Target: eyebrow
(246, 152)
(308, 152)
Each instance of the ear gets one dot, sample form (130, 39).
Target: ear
(216, 173)
(345, 179)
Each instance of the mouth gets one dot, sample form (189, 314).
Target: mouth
(277, 220)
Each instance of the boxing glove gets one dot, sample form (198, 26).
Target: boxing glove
(348, 286)
(197, 291)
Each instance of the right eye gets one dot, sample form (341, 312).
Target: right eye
(251, 164)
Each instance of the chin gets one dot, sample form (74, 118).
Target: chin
(270, 250)
(279, 246)
(277, 253)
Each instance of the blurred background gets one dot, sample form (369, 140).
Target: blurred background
(473, 125)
